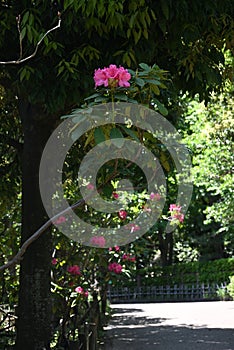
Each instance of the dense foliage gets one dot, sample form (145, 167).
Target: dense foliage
(217, 271)
(186, 39)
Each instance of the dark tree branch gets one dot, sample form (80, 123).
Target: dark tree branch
(20, 37)
(36, 235)
(18, 257)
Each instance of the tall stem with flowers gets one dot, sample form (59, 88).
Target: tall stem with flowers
(93, 270)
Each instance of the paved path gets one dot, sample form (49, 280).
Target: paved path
(172, 326)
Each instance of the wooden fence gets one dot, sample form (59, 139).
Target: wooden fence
(87, 340)
(194, 292)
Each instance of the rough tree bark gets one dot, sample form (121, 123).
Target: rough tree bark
(33, 325)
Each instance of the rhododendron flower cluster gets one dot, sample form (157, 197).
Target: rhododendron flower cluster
(174, 207)
(81, 291)
(129, 257)
(60, 220)
(112, 76)
(175, 211)
(122, 214)
(117, 248)
(74, 270)
(155, 196)
(115, 267)
(115, 195)
(90, 186)
(54, 261)
(98, 241)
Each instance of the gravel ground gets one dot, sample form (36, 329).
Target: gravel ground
(171, 326)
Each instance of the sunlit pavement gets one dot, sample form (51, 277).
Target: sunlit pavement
(171, 326)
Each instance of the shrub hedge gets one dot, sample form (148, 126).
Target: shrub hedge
(217, 271)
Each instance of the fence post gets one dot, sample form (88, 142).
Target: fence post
(94, 322)
(86, 332)
(93, 336)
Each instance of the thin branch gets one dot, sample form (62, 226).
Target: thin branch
(18, 257)
(18, 19)
(22, 60)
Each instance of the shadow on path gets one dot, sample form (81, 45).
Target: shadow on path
(131, 331)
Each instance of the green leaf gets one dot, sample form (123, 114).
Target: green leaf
(155, 89)
(25, 18)
(23, 32)
(165, 9)
(115, 133)
(92, 96)
(153, 81)
(99, 136)
(164, 161)
(117, 137)
(153, 15)
(101, 99)
(29, 33)
(119, 52)
(162, 109)
(130, 132)
(79, 119)
(132, 72)
(145, 66)
(46, 40)
(121, 97)
(140, 82)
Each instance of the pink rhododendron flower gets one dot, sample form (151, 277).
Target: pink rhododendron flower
(60, 220)
(175, 212)
(112, 76)
(86, 294)
(112, 71)
(123, 77)
(155, 196)
(122, 214)
(90, 186)
(174, 207)
(100, 77)
(115, 195)
(74, 270)
(129, 257)
(179, 217)
(54, 261)
(98, 241)
(117, 248)
(115, 267)
(81, 291)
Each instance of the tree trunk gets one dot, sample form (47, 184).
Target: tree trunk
(34, 310)
(166, 245)
(170, 247)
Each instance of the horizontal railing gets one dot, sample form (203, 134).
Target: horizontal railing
(166, 293)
